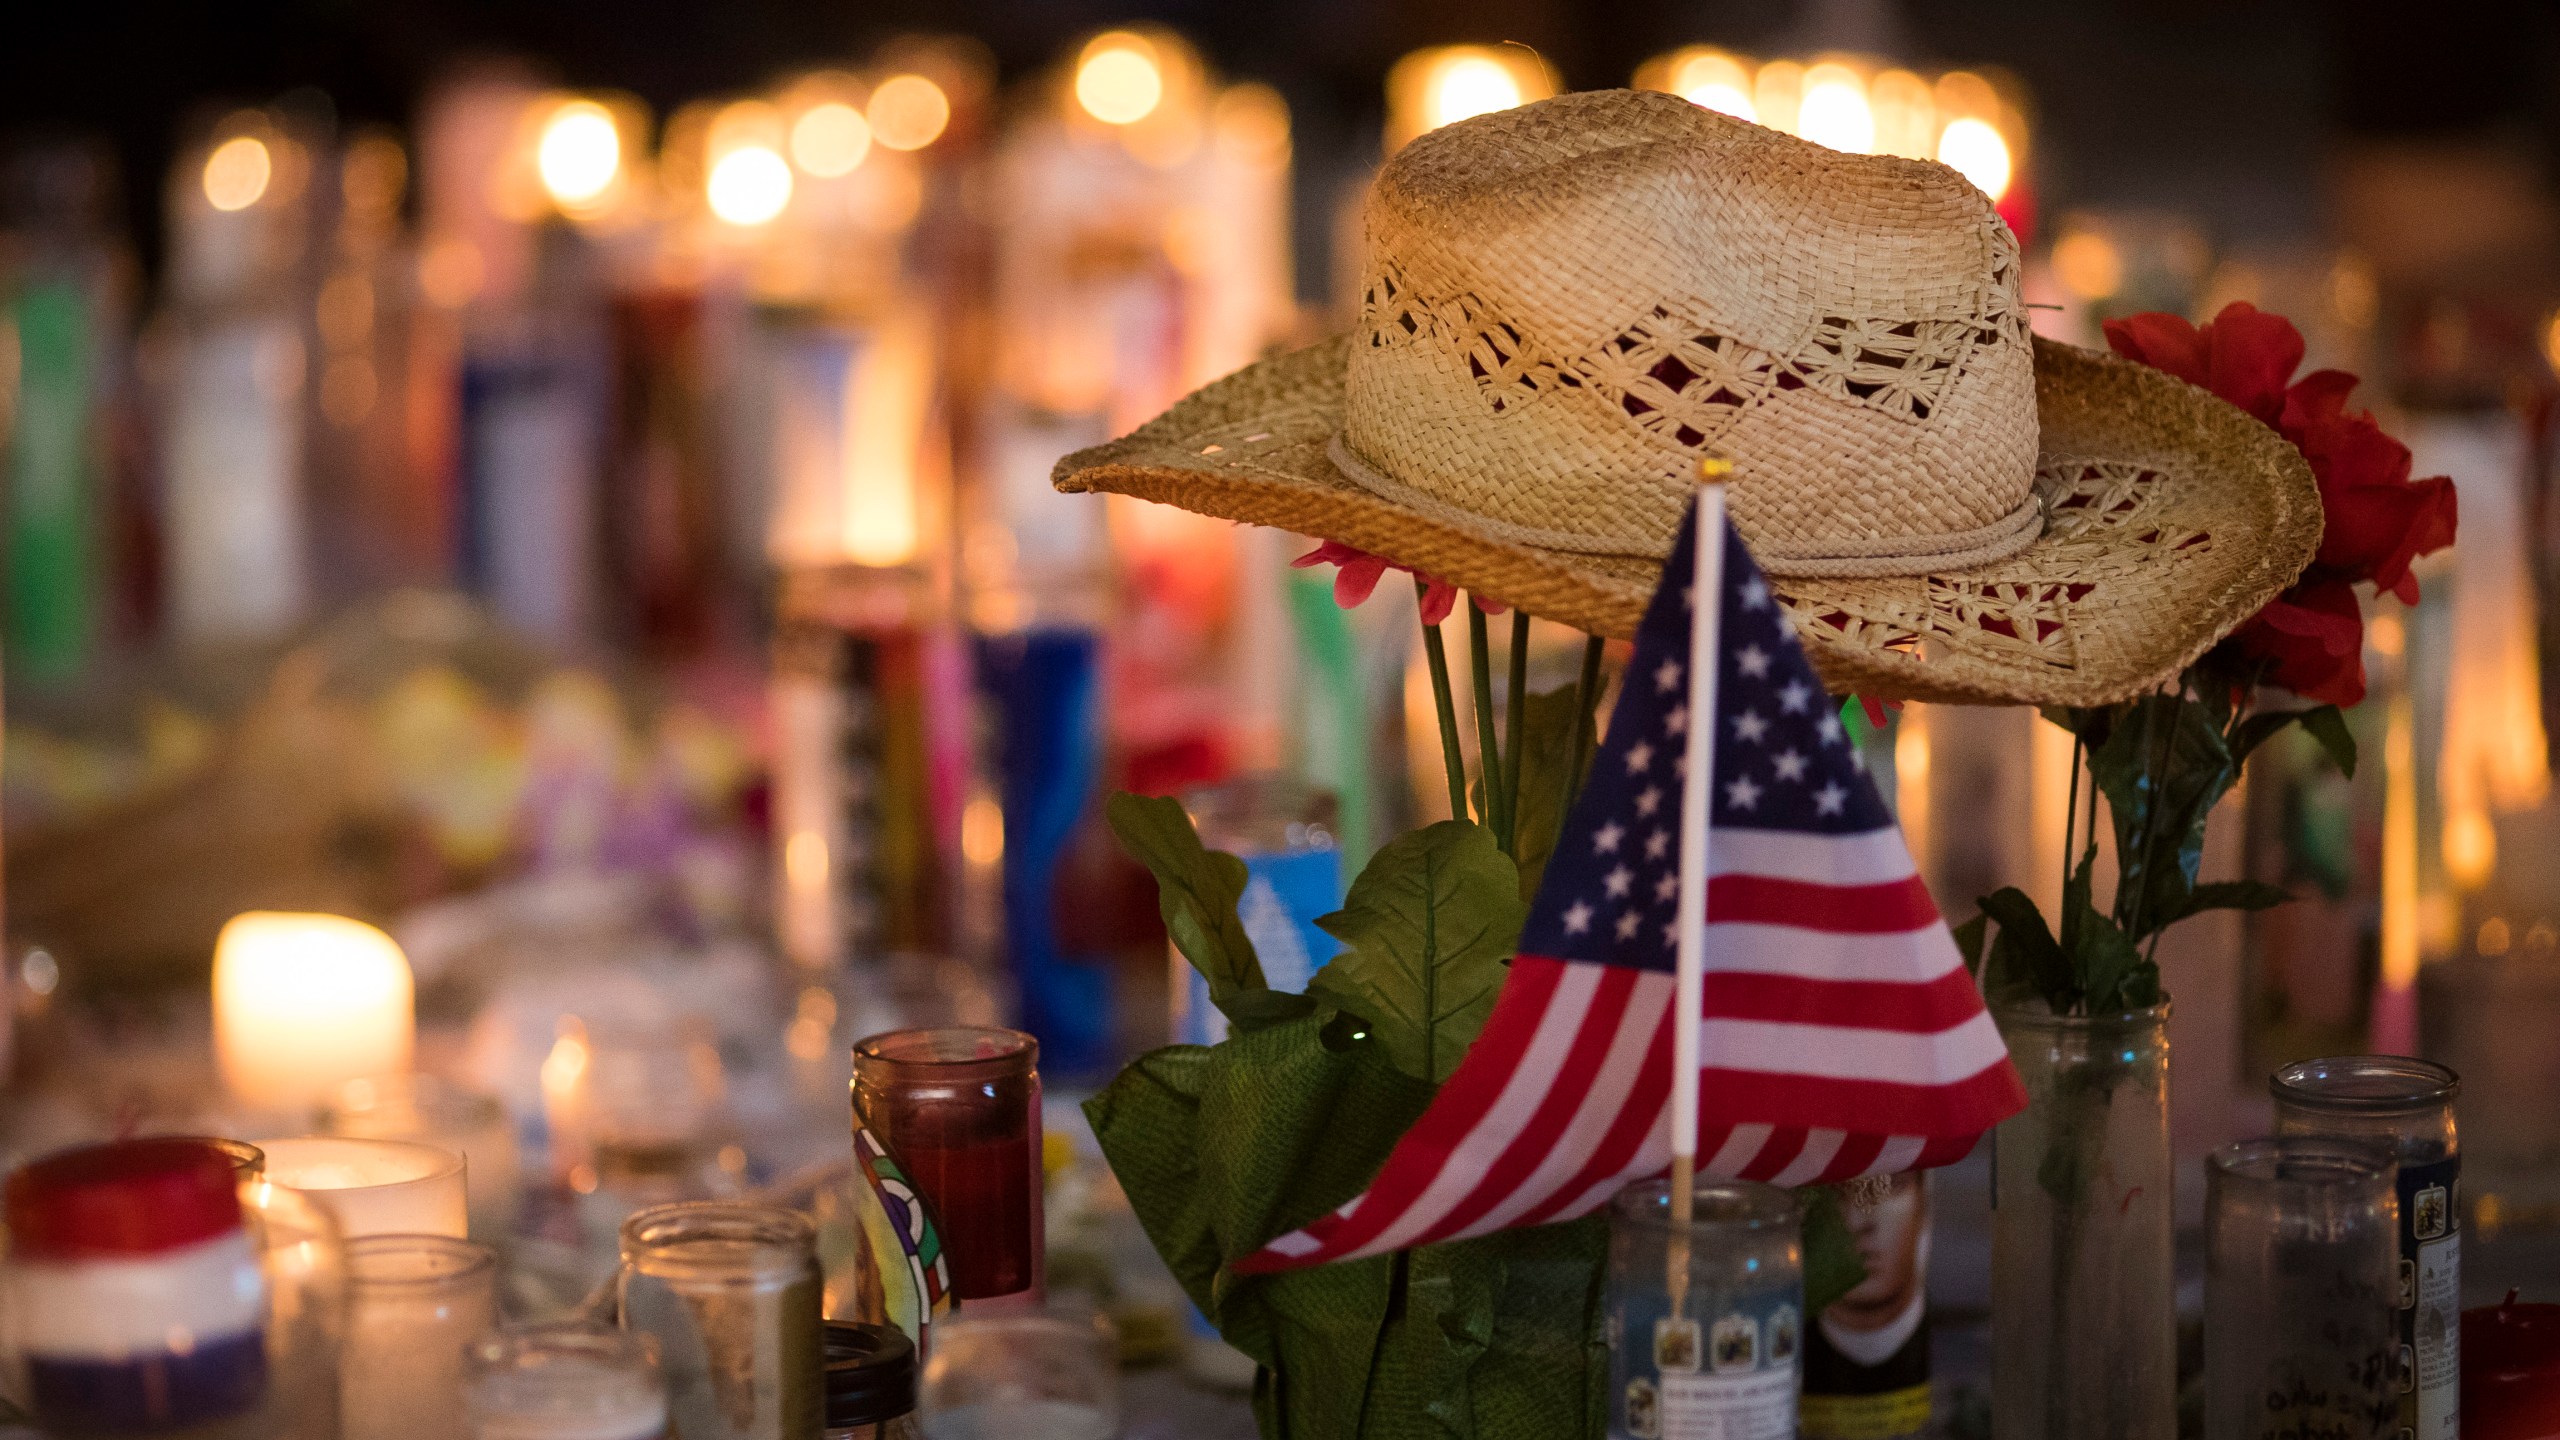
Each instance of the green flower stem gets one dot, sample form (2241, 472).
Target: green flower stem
(1450, 756)
(1488, 748)
(1515, 730)
(1586, 724)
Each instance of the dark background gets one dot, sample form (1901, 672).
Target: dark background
(2227, 109)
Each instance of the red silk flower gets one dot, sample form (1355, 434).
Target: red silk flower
(2376, 521)
(1360, 572)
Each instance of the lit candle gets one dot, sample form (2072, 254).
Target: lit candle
(375, 1187)
(304, 1003)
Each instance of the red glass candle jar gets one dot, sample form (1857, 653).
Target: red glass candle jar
(959, 1110)
(2511, 1372)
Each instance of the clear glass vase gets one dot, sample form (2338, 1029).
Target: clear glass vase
(2083, 1324)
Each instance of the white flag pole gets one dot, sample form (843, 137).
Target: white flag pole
(1706, 606)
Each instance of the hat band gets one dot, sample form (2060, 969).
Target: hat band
(1900, 555)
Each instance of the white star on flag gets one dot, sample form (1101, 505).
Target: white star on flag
(1667, 678)
(1829, 729)
(1627, 924)
(1577, 918)
(1790, 765)
(1639, 757)
(1742, 794)
(1667, 886)
(1795, 697)
(1650, 800)
(1616, 882)
(1829, 799)
(1755, 593)
(1677, 722)
(1753, 661)
(1657, 844)
(1749, 726)
(1606, 838)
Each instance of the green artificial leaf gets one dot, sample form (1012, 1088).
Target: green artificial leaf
(2328, 725)
(1428, 926)
(2025, 958)
(2234, 895)
(1546, 786)
(2104, 964)
(1832, 1266)
(1196, 890)
(2164, 763)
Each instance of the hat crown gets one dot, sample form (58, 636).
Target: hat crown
(1568, 304)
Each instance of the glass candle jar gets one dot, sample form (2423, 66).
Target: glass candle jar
(303, 1257)
(565, 1382)
(2407, 1104)
(415, 1303)
(1017, 1374)
(376, 1187)
(1706, 1321)
(2302, 1241)
(871, 1383)
(423, 1108)
(132, 1296)
(730, 1295)
(959, 1110)
(2083, 1315)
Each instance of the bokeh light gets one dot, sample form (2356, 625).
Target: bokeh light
(1978, 152)
(830, 139)
(237, 172)
(908, 112)
(1118, 79)
(749, 185)
(1466, 86)
(580, 153)
(1834, 110)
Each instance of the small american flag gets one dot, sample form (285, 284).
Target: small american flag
(1840, 1036)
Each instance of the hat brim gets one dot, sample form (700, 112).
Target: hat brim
(2171, 517)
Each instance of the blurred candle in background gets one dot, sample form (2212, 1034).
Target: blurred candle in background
(375, 1187)
(304, 1003)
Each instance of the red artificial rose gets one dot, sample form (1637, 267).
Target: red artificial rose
(2375, 520)
(1360, 572)
(2312, 637)
(2245, 356)
(2378, 521)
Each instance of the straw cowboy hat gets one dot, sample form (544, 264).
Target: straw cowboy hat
(1570, 304)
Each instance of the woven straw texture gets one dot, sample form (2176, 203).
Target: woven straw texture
(1571, 303)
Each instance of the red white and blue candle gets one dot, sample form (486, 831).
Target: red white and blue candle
(131, 1290)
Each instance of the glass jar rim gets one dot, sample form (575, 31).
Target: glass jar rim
(949, 1047)
(754, 1242)
(2035, 1013)
(1717, 1205)
(433, 1162)
(440, 1260)
(2305, 1161)
(2365, 1084)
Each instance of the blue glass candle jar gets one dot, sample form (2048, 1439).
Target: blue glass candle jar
(135, 1298)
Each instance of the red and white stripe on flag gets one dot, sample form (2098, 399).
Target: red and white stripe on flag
(1838, 1033)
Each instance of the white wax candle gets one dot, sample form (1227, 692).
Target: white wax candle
(304, 1003)
(375, 1187)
